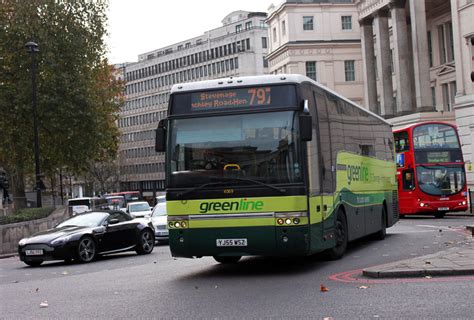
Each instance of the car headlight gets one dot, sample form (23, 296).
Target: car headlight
(60, 241)
(22, 242)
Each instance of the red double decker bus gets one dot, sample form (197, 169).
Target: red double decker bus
(430, 169)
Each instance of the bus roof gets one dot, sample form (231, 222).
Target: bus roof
(411, 126)
(233, 82)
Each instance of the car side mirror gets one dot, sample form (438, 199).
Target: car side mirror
(113, 221)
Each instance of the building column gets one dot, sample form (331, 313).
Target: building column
(421, 62)
(384, 63)
(402, 59)
(368, 56)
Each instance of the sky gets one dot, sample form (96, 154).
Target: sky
(139, 26)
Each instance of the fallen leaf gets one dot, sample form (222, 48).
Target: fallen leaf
(154, 262)
(44, 304)
(440, 230)
(363, 287)
(15, 281)
(328, 318)
(428, 277)
(65, 273)
(215, 287)
(37, 289)
(427, 262)
(115, 292)
(196, 287)
(324, 289)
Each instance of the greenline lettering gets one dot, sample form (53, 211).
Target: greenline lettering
(241, 205)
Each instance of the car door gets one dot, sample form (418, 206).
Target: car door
(119, 233)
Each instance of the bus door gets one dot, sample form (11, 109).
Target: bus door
(325, 202)
(406, 186)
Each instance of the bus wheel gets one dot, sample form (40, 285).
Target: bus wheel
(341, 238)
(440, 215)
(227, 260)
(380, 235)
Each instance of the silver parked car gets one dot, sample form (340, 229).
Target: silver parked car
(159, 219)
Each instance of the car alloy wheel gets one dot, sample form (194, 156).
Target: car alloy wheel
(86, 250)
(146, 242)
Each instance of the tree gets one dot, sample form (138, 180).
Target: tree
(78, 96)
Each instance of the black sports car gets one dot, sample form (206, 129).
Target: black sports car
(87, 235)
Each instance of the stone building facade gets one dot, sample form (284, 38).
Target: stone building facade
(237, 48)
(320, 39)
(418, 58)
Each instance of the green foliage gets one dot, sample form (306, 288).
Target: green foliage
(78, 97)
(27, 215)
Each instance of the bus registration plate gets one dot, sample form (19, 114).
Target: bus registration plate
(443, 209)
(231, 242)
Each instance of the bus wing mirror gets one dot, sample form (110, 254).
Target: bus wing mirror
(160, 140)
(306, 127)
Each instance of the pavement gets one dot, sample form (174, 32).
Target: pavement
(454, 261)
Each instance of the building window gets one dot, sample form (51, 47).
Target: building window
(311, 69)
(188, 45)
(433, 97)
(283, 27)
(430, 49)
(346, 22)
(265, 63)
(308, 23)
(238, 28)
(449, 92)
(263, 24)
(392, 65)
(264, 43)
(247, 43)
(446, 45)
(349, 69)
(248, 25)
(274, 34)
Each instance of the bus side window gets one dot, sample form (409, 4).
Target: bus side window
(408, 179)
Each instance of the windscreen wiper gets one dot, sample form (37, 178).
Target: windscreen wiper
(201, 186)
(256, 182)
(231, 179)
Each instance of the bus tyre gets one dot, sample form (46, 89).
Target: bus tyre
(227, 260)
(341, 238)
(440, 215)
(380, 235)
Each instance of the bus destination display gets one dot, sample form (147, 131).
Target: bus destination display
(229, 99)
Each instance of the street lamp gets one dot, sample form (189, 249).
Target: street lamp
(33, 49)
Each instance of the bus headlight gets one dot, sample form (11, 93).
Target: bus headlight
(288, 221)
(280, 221)
(178, 222)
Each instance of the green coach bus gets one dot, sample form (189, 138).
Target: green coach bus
(274, 165)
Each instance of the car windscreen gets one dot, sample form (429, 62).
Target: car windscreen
(79, 202)
(159, 210)
(139, 207)
(93, 219)
(114, 203)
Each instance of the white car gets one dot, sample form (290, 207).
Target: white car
(159, 219)
(139, 209)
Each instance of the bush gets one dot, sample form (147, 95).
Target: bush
(27, 214)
